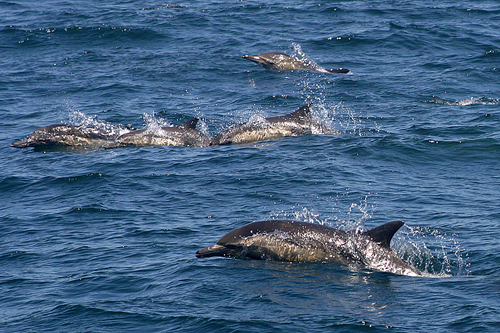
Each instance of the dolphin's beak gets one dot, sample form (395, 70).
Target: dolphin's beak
(20, 144)
(212, 251)
(253, 58)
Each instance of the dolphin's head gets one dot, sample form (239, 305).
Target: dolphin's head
(272, 60)
(262, 61)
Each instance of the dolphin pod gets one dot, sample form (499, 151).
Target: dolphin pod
(275, 240)
(293, 124)
(299, 122)
(291, 241)
(279, 61)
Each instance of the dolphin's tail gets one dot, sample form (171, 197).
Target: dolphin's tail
(338, 70)
(213, 251)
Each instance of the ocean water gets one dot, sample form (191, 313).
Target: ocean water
(105, 240)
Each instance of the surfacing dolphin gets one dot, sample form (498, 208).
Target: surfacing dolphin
(65, 136)
(291, 241)
(183, 135)
(283, 62)
(296, 123)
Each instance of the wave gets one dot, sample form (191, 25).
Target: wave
(77, 34)
(165, 7)
(466, 102)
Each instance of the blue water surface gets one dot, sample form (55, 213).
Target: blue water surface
(105, 240)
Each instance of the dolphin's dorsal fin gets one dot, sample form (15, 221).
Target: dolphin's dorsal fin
(303, 112)
(190, 124)
(383, 234)
(300, 114)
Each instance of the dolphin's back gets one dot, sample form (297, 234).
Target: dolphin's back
(182, 135)
(60, 135)
(296, 123)
(271, 226)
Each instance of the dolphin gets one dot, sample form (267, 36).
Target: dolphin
(296, 123)
(283, 62)
(66, 136)
(183, 135)
(291, 241)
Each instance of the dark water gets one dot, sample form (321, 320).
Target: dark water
(104, 241)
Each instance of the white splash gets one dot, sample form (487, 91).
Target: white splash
(433, 252)
(78, 118)
(299, 54)
(154, 124)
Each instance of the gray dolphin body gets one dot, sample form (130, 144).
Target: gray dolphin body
(283, 62)
(183, 135)
(291, 241)
(65, 136)
(296, 123)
